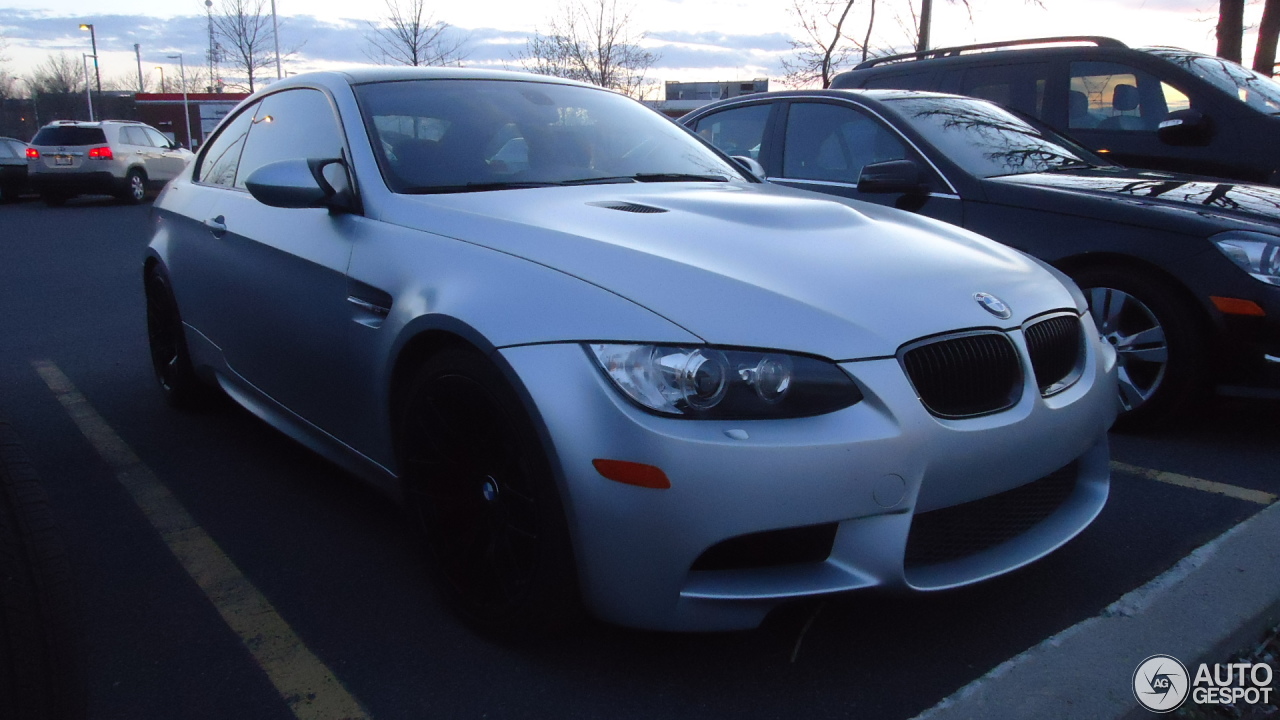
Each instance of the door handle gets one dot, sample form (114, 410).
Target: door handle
(217, 226)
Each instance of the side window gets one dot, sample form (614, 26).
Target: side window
(1111, 96)
(1020, 87)
(834, 142)
(156, 138)
(738, 131)
(134, 136)
(222, 154)
(294, 124)
(902, 81)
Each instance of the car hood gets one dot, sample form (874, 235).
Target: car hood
(1157, 199)
(754, 265)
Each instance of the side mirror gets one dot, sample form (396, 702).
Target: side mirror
(1186, 128)
(752, 166)
(302, 184)
(893, 176)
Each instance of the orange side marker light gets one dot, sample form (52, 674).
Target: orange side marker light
(1236, 306)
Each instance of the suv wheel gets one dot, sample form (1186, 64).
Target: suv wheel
(135, 187)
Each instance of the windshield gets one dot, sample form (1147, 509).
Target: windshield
(987, 140)
(433, 136)
(1253, 89)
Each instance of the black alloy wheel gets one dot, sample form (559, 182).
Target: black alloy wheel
(1159, 345)
(168, 345)
(479, 485)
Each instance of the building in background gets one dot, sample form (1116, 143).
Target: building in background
(683, 97)
(163, 111)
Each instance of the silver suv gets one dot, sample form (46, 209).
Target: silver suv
(124, 158)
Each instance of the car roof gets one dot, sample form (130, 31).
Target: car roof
(359, 76)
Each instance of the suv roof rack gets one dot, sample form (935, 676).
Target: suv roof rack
(957, 50)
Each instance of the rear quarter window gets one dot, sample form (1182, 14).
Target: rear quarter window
(901, 81)
(69, 136)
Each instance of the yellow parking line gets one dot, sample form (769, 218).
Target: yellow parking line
(1254, 496)
(309, 688)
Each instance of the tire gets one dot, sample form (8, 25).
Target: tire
(135, 187)
(40, 664)
(478, 483)
(1160, 345)
(170, 358)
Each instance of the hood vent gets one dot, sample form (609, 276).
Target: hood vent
(628, 207)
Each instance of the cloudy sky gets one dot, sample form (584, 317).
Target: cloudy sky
(696, 39)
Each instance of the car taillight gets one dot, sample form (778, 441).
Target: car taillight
(101, 152)
(33, 153)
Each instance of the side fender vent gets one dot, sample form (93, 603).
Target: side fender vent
(628, 207)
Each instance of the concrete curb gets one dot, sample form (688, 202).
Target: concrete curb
(1213, 602)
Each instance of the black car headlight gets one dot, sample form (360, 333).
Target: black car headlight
(1256, 253)
(721, 384)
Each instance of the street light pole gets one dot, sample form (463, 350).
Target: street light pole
(88, 89)
(93, 38)
(186, 108)
(137, 54)
(275, 35)
(161, 78)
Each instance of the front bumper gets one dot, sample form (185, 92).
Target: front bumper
(865, 472)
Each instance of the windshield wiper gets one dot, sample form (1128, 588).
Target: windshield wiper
(1073, 166)
(646, 178)
(678, 177)
(598, 180)
(474, 187)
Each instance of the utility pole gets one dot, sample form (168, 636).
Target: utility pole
(137, 53)
(926, 19)
(186, 108)
(275, 35)
(88, 89)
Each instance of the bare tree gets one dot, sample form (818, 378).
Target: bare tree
(61, 73)
(247, 40)
(8, 83)
(1230, 29)
(1264, 57)
(409, 35)
(824, 47)
(592, 41)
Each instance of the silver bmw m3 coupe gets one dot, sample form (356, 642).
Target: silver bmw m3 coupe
(606, 367)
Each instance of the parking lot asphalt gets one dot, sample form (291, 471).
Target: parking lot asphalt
(338, 565)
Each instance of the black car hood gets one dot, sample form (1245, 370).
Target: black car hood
(1152, 199)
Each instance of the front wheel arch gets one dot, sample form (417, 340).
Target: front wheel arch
(1161, 334)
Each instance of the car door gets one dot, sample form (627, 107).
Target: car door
(169, 159)
(287, 267)
(139, 149)
(1116, 109)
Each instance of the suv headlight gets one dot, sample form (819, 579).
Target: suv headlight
(720, 384)
(1256, 253)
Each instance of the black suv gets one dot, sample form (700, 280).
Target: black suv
(1158, 107)
(1181, 273)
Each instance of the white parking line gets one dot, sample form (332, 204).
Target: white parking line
(307, 686)
(1254, 496)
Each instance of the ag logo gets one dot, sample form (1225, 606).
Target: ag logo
(1161, 683)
